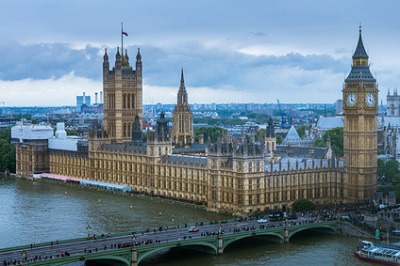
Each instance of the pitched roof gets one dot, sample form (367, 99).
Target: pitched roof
(330, 122)
(292, 136)
(301, 151)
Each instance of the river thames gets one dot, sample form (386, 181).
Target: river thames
(46, 211)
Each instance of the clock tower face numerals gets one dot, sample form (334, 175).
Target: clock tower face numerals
(351, 99)
(370, 99)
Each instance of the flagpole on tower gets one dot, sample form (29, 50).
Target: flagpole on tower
(122, 38)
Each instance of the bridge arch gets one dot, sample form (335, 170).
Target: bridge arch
(274, 235)
(209, 246)
(106, 260)
(320, 227)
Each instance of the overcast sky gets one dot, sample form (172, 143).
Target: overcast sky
(231, 51)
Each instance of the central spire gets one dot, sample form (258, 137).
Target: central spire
(182, 93)
(182, 86)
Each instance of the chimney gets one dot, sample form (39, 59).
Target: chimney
(101, 97)
(95, 97)
(84, 98)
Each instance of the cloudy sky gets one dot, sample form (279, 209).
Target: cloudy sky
(231, 51)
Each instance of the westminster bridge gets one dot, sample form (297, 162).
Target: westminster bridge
(131, 248)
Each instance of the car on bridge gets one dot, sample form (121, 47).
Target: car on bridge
(276, 217)
(262, 220)
(193, 229)
(291, 216)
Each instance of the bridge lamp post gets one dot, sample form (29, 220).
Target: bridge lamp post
(88, 230)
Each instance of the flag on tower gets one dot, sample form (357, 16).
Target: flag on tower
(124, 33)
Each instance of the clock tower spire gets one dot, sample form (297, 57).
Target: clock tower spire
(360, 92)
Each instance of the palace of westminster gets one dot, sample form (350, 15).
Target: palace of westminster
(233, 175)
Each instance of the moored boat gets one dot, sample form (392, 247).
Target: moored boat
(380, 254)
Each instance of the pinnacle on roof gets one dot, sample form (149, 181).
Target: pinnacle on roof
(182, 86)
(138, 56)
(126, 55)
(105, 55)
(118, 55)
(360, 50)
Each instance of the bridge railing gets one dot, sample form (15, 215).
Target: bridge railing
(82, 257)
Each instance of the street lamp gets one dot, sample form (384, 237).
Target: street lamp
(88, 230)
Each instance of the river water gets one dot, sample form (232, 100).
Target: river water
(33, 212)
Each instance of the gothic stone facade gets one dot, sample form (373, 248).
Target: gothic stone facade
(123, 89)
(234, 177)
(231, 177)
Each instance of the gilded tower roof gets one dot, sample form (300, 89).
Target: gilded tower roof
(360, 67)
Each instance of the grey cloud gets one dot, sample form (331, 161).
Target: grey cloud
(42, 61)
(204, 67)
(217, 68)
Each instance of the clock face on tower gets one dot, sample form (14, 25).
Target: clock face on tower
(370, 100)
(351, 99)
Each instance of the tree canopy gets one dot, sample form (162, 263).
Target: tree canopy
(302, 205)
(336, 136)
(301, 130)
(389, 177)
(7, 151)
(212, 132)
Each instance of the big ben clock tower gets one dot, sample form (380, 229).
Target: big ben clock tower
(360, 97)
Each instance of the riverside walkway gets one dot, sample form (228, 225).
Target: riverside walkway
(131, 248)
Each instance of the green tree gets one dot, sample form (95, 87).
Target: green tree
(7, 151)
(279, 139)
(302, 205)
(391, 170)
(381, 167)
(302, 131)
(212, 132)
(336, 136)
(71, 132)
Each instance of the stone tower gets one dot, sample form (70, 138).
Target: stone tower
(360, 97)
(122, 88)
(270, 140)
(182, 131)
(393, 103)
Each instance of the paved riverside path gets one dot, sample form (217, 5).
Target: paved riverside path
(81, 247)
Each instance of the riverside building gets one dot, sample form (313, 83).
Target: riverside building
(237, 176)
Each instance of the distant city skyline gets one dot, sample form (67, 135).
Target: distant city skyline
(297, 52)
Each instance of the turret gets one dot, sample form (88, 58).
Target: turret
(126, 58)
(136, 130)
(106, 64)
(139, 64)
(118, 55)
(118, 61)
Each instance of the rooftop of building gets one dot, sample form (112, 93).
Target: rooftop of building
(331, 122)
